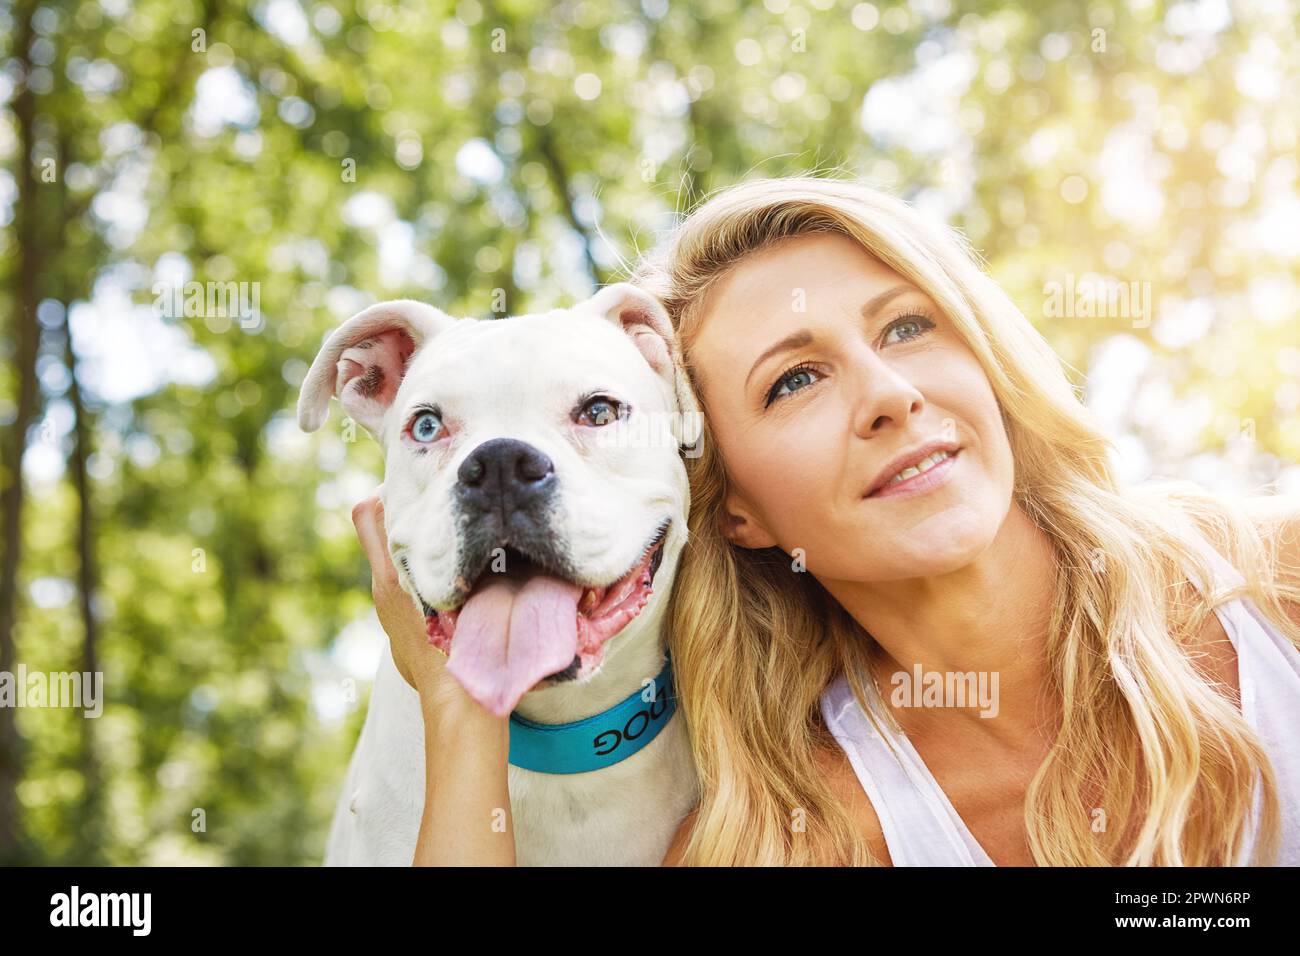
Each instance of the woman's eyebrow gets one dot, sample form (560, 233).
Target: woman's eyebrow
(792, 341)
(878, 302)
(796, 339)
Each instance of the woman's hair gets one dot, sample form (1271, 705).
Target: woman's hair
(1152, 764)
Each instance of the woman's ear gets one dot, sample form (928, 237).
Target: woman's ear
(741, 526)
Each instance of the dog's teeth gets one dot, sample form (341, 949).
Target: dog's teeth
(588, 600)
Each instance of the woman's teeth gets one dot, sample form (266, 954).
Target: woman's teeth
(925, 464)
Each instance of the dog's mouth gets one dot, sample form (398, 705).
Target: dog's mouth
(525, 623)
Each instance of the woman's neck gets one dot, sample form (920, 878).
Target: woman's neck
(987, 620)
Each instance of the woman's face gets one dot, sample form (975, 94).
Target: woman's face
(818, 366)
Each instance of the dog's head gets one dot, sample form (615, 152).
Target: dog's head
(533, 489)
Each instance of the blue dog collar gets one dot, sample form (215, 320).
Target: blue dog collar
(595, 742)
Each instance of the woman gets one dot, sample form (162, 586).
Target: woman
(834, 337)
(827, 328)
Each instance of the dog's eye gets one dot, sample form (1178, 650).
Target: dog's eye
(426, 426)
(600, 411)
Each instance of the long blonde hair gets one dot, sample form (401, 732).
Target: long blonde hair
(1144, 736)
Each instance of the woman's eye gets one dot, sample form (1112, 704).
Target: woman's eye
(791, 381)
(426, 426)
(910, 326)
(599, 411)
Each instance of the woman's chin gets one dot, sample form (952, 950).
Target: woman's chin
(930, 555)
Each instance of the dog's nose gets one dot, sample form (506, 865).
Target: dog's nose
(505, 474)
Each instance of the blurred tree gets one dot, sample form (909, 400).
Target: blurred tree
(498, 157)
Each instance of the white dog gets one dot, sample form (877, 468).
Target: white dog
(533, 493)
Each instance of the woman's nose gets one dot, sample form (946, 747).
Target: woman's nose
(880, 394)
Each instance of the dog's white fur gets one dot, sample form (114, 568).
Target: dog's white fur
(521, 378)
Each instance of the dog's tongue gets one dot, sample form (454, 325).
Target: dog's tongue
(512, 633)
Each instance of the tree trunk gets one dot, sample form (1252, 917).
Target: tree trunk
(91, 834)
(26, 333)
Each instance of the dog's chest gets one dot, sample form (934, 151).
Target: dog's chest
(622, 815)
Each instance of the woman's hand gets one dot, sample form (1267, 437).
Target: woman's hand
(467, 819)
(421, 664)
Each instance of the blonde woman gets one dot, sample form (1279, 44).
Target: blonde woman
(835, 340)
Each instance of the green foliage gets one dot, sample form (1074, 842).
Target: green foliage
(513, 154)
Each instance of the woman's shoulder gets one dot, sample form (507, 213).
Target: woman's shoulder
(1214, 529)
(1214, 654)
(1277, 519)
(683, 835)
(843, 782)
(1276, 513)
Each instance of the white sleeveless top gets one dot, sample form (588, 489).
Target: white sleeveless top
(920, 826)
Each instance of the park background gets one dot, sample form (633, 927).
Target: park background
(170, 526)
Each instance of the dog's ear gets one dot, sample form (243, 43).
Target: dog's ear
(645, 320)
(364, 359)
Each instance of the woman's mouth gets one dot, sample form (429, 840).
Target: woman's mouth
(919, 479)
